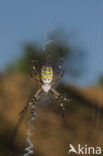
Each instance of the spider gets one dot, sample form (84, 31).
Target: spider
(47, 79)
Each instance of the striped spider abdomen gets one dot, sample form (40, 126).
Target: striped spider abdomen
(46, 74)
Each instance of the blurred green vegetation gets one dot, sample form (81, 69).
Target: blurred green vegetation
(74, 56)
(101, 80)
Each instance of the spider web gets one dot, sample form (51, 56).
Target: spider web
(50, 56)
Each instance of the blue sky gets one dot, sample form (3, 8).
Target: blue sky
(25, 20)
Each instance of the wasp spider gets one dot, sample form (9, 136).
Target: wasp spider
(47, 79)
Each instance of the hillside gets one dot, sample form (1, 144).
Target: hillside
(82, 123)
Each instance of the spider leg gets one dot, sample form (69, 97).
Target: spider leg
(25, 108)
(58, 78)
(34, 103)
(33, 109)
(61, 100)
(33, 100)
(55, 92)
(59, 68)
(34, 73)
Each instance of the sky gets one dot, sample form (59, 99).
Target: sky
(25, 20)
